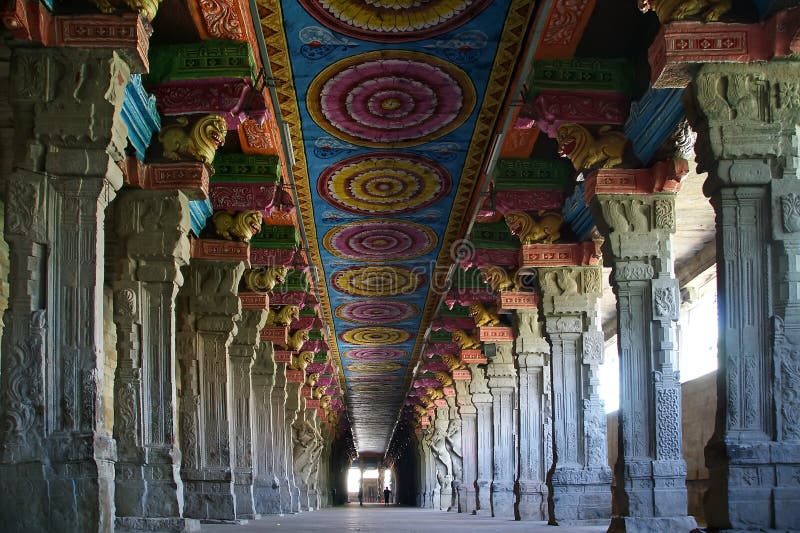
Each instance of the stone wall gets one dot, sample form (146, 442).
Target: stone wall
(699, 400)
(110, 366)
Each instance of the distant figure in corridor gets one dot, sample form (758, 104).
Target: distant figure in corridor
(386, 494)
(361, 496)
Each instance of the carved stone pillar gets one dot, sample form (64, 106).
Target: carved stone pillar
(580, 477)
(266, 488)
(292, 409)
(453, 442)
(303, 453)
(431, 483)
(535, 416)
(208, 310)
(280, 463)
(151, 230)
(482, 400)
(443, 468)
(56, 458)
(650, 491)
(469, 447)
(747, 141)
(502, 385)
(242, 355)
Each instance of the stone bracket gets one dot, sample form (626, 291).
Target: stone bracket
(219, 250)
(128, 33)
(189, 177)
(554, 255)
(254, 300)
(681, 45)
(508, 301)
(664, 176)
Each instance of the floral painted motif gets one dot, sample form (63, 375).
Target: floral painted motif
(390, 98)
(380, 240)
(378, 280)
(393, 21)
(376, 311)
(384, 183)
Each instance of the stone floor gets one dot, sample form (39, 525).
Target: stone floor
(378, 518)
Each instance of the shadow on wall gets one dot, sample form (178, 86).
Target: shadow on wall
(699, 404)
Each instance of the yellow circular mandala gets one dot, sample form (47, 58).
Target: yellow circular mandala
(374, 368)
(378, 280)
(375, 336)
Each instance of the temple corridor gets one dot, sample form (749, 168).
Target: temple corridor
(510, 262)
(375, 518)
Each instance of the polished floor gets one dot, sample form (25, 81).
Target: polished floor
(379, 518)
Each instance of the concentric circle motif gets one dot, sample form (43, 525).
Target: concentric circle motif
(373, 387)
(390, 98)
(375, 354)
(378, 280)
(382, 240)
(374, 335)
(384, 183)
(374, 368)
(386, 21)
(376, 311)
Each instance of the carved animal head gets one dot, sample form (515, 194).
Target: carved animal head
(278, 273)
(297, 339)
(495, 277)
(208, 134)
(573, 140)
(452, 362)
(476, 309)
(301, 360)
(311, 380)
(520, 224)
(247, 224)
(318, 392)
(444, 378)
(325, 402)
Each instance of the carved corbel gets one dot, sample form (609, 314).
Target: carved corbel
(237, 226)
(587, 152)
(200, 142)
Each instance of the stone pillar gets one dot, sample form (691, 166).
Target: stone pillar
(502, 385)
(292, 409)
(535, 416)
(650, 490)
(280, 463)
(747, 141)
(208, 309)
(444, 465)
(5, 267)
(266, 488)
(151, 229)
(56, 457)
(453, 442)
(579, 477)
(242, 355)
(469, 446)
(303, 453)
(482, 400)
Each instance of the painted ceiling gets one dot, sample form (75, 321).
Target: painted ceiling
(391, 108)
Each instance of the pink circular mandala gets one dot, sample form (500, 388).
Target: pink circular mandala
(376, 311)
(380, 240)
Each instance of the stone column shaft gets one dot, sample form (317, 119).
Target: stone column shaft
(469, 446)
(266, 488)
(292, 409)
(535, 417)
(456, 455)
(482, 400)
(281, 462)
(149, 490)
(580, 477)
(208, 311)
(748, 143)
(57, 459)
(242, 356)
(650, 492)
(502, 385)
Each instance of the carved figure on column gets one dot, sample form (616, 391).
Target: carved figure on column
(237, 226)
(576, 143)
(284, 316)
(483, 316)
(546, 228)
(497, 278)
(465, 341)
(265, 279)
(199, 143)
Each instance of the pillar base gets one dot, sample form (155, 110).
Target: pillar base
(210, 500)
(580, 495)
(661, 524)
(162, 525)
(532, 504)
(267, 498)
(468, 501)
(503, 499)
